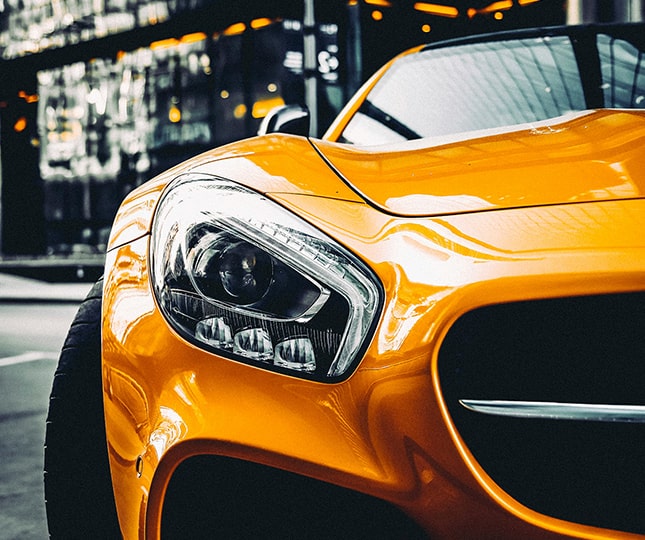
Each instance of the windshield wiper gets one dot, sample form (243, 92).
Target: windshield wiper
(370, 110)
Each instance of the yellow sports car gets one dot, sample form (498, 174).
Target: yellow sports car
(429, 322)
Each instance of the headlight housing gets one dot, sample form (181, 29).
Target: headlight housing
(238, 275)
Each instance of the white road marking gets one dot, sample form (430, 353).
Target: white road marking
(30, 356)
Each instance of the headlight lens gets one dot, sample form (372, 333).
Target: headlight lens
(239, 275)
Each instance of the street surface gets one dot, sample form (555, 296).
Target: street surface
(31, 335)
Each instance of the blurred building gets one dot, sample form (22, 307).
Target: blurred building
(97, 96)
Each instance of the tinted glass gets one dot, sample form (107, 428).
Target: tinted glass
(623, 73)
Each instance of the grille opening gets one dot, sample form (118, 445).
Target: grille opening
(219, 497)
(573, 350)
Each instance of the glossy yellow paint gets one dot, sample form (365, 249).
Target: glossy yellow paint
(384, 431)
(268, 164)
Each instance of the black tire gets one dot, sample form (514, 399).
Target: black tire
(78, 488)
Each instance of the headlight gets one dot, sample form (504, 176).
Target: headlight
(239, 275)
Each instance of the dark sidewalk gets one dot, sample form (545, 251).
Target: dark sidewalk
(48, 279)
(21, 289)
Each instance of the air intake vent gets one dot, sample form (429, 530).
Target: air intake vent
(549, 396)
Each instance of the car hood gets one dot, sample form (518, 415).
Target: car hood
(589, 156)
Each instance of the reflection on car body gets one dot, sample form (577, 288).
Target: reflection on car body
(427, 323)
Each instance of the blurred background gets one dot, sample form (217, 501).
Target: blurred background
(97, 96)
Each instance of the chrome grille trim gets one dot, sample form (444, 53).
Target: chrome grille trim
(558, 411)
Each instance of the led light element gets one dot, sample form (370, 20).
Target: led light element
(242, 277)
(254, 343)
(296, 353)
(214, 331)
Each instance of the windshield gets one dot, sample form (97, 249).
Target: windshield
(487, 85)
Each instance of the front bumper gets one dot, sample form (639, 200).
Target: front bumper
(386, 431)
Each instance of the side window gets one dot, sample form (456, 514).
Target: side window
(623, 73)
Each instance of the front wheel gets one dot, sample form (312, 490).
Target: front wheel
(78, 488)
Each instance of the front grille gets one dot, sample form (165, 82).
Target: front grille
(580, 350)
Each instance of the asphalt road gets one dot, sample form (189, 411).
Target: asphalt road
(31, 335)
